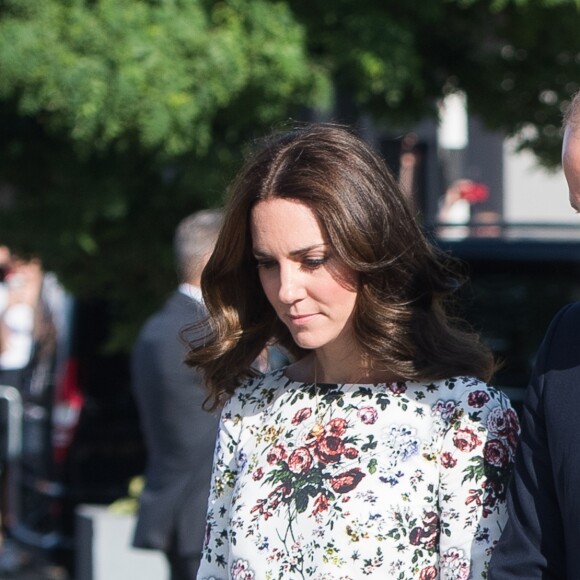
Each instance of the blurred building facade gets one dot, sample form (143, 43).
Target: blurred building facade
(461, 147)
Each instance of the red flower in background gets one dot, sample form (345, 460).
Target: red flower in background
(475, 192)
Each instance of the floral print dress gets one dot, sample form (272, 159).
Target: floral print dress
(344, 482)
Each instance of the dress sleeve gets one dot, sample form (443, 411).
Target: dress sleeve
(475, 464)
(214, 560)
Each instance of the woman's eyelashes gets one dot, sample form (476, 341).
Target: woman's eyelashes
(306, 262)
(312, 263)
(265, 264)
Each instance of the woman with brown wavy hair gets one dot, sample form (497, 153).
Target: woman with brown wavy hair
(379, 452)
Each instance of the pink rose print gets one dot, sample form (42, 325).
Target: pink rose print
(447, 460)
(415, 536)
(258, 474)
(351, 453)
(398, 388)
(423, 537)
(336, 427)
(512, 440)
(301, 415)
(477, 399)
(276, 454)
(428, 535)
(240, 570)
(455, 565)
(347, 481)
(329, 449)
(502, 422)
(368, 415)
(496, 453)
(300, 460)
(429, 573)
(466, 440)
(298, 470)
(431, 519)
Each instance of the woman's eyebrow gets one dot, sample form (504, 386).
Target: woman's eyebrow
(307, 249)
(261, 254)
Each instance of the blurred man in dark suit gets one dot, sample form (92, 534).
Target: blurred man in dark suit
(179, 434)
(540, 540)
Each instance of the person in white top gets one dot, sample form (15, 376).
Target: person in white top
(19, 295)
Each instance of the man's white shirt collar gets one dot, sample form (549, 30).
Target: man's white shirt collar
(193, 292)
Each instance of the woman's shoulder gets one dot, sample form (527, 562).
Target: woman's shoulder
(471, 394)
(468, 402)
(257, 393)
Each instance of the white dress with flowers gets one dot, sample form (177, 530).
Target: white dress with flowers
(405, 481)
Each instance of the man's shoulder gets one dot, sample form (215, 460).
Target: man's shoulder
(565, 325)
(178, 301)
(572, 311)
(182, 306)
(558, 361)
(178, 312)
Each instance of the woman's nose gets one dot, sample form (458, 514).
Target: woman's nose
(291, 285)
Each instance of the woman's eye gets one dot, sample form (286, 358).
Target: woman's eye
(313, 263)
(265, 264)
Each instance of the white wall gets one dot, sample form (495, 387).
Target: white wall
(531, 193)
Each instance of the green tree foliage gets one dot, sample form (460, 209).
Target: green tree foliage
(119, 117)
(518, 61)
(155, 73)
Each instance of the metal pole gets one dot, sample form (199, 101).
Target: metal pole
(13, 448)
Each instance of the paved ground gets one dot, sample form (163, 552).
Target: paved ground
(39, 572)
(19, 564)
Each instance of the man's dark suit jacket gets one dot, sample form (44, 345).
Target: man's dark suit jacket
(179, 434)
(542, 536)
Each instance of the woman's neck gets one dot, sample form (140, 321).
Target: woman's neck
(318, 368)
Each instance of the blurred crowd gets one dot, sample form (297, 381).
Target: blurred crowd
(20, 284)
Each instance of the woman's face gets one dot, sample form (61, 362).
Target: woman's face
(312, 292)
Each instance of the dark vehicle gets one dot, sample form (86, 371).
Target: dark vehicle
(518, 280)
(80, 438)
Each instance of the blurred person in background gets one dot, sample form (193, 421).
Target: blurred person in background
(179, 434)
(21, 326)
(19, 294)
(541, 538)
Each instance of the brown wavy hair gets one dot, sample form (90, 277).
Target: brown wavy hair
(401, 319)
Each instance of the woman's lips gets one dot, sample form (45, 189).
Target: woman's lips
(300, 319)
